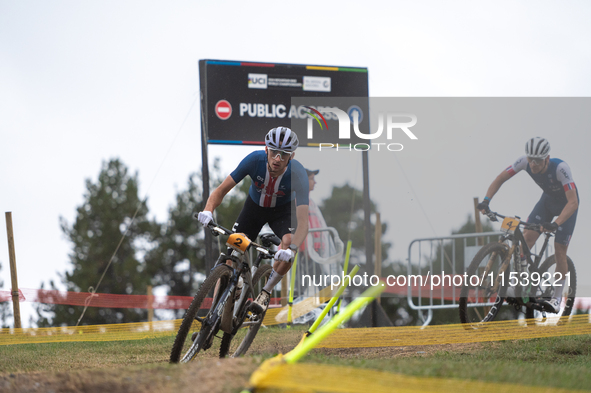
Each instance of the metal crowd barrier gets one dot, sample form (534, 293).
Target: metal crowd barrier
(428, 256)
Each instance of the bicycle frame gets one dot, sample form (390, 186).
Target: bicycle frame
(526, 278)
(229, 311)
(226, 313)
(518, 237)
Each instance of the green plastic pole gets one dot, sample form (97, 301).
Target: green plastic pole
(334, 299)
(345, 267)
(312, 341)
(291, 288)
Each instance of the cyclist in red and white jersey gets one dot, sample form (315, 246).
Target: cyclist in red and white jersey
(278, 183)
(560, 199)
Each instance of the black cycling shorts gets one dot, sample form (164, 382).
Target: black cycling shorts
(546, 209)
(253, 217)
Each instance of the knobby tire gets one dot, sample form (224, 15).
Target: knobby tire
(219, 272)
(472, 315)
(570, 299)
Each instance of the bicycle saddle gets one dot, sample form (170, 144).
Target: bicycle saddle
(268, 239)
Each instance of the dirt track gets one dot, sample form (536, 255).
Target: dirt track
(203, 375)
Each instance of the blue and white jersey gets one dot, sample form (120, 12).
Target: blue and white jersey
(269, 191)
(555, 181)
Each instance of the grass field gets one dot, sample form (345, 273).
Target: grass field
(142, 365)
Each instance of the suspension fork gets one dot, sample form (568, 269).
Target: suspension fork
(238, 305)
(256, 264)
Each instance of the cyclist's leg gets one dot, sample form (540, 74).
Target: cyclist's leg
(561, 241)
(250, 221)
(279, 220)
(539, 214)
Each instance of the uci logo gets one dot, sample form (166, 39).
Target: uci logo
(394, 122)
(257, 81)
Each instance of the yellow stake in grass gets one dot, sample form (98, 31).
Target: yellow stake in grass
(334, 299)
(305, 347)
(291, 288)
(313, 340)
(345, 267)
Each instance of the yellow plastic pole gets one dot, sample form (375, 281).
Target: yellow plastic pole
(313, 340)
(334, 299)
(345, 267)
(291, 288)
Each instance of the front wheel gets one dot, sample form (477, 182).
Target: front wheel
(480, 297)
(549, 277)
(202, 339)
(259, 280)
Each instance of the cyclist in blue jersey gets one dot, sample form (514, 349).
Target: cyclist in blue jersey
(560, 198)
(278, 183)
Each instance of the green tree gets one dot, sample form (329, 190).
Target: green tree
(343, 210)
(105, 223)
(178, 253)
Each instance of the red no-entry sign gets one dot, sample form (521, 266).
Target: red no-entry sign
(223, 109)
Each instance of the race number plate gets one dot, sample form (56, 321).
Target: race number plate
(238, 242)
(509, 225)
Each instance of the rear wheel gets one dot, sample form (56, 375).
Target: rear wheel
(189, 348)
(480, 300)
(259, 280)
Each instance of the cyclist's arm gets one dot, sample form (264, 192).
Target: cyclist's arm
(571, 206)
(302, 225)
(217, 196)
(497, 183)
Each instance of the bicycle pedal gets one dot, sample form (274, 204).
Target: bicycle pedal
(253, 317)
(200, 319)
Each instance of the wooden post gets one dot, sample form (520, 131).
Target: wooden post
(13, 276)
(477, 223)
(150, 304)
(378, 248)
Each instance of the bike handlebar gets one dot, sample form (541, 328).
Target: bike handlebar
(534, 227)
(217, 230)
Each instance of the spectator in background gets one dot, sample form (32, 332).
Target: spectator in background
(321, 241)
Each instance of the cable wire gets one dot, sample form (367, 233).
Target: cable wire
(93, 290)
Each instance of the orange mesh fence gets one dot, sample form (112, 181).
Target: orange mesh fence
(111, 332)
(106, 300)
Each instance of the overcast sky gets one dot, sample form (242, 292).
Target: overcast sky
(83, 82)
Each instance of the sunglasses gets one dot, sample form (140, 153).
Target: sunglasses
(283, 155)
(536, 161)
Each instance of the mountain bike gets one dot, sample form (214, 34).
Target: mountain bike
(229, 310)
(497, 274)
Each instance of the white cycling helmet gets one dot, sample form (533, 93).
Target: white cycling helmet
(282, 138)
(537, 148)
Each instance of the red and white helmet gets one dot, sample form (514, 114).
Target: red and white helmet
(282, 138)
(537, 148)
